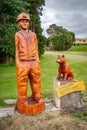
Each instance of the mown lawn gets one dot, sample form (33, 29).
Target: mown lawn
(77, 50)
(8, 87)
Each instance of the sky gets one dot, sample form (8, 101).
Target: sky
(70, 14)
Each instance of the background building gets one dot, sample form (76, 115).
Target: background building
(80, 41)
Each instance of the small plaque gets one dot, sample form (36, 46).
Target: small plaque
(69, 88)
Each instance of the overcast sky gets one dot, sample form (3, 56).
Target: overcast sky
(70, 14)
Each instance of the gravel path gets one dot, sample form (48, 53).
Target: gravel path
(10, 111)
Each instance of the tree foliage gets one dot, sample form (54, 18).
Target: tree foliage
(60, 38)
(9, 9)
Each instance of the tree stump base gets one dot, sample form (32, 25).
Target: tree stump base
(71, 100)
(30, 107)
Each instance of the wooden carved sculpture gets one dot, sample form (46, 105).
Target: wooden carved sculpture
(64, 70)
(27, 67)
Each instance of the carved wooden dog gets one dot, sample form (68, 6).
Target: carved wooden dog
(64, 70)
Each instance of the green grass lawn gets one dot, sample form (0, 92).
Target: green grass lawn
(7, 83)
(8, 87)
(76, 50)
(49, 71)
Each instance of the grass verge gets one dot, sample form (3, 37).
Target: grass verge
(76, 50)
(8, 87)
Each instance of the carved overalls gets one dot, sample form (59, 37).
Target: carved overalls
(27, 63)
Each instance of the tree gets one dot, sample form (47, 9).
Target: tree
(60, 38)
(9, 10)
(35, 12)
(54, 29)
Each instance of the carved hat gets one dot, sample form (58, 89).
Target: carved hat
(23, 16)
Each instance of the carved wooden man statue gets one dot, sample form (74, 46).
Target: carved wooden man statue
(27, 63)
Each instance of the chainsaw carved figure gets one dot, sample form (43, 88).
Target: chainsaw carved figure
(64, 70)
(27, 63)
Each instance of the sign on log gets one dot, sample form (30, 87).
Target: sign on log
(69, 88)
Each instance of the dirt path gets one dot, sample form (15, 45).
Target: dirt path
(68, 55)
(44, 121)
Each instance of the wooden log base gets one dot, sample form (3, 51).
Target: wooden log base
(72, 100)
(30, 107)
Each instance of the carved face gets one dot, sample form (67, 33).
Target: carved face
(60, 59)
(24, 23)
